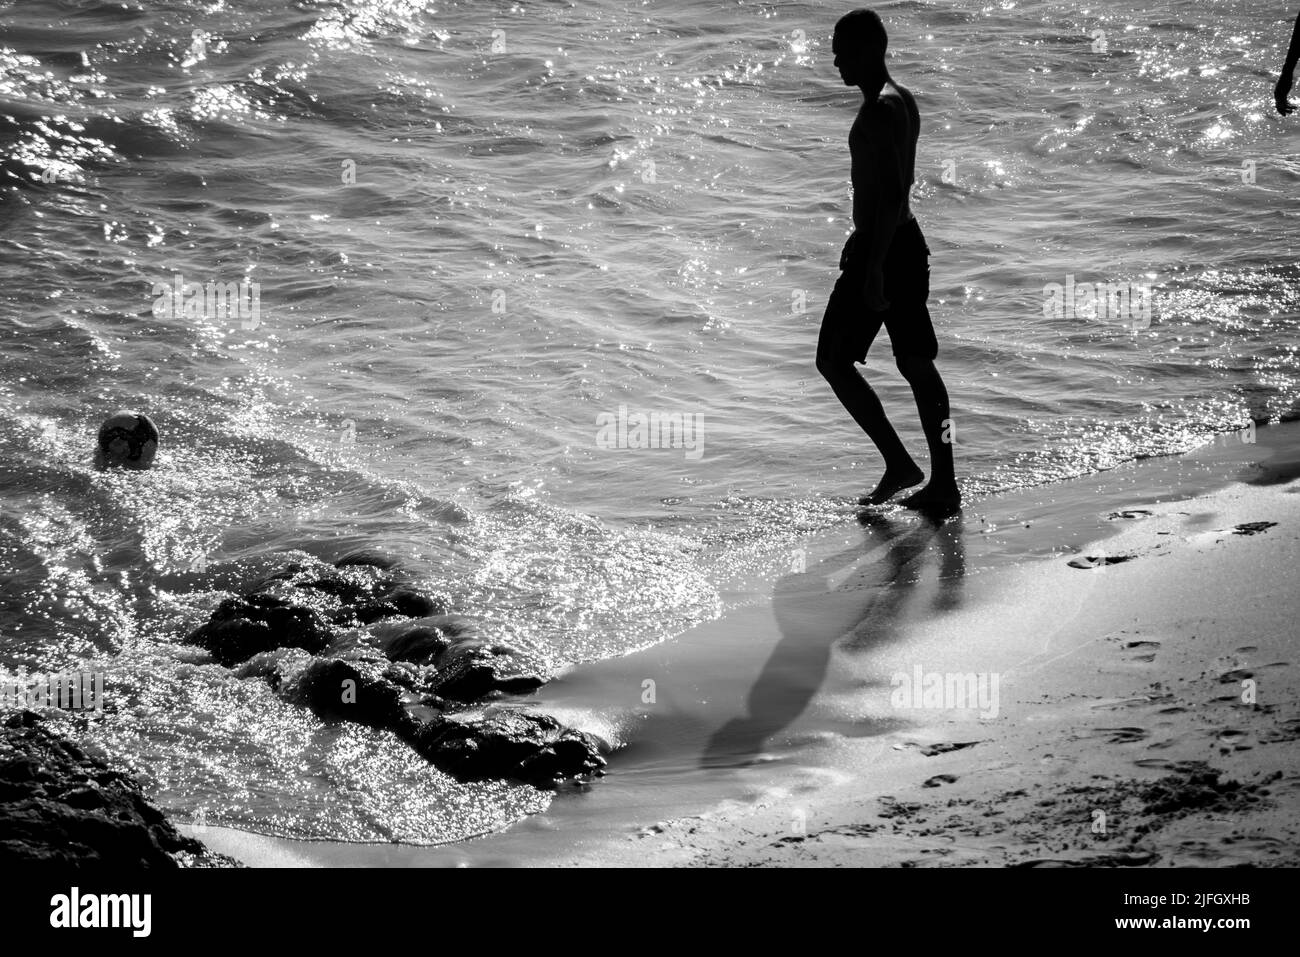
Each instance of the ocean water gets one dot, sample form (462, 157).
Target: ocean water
(476, 228)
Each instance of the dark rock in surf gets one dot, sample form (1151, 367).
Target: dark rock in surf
(243, 627)
(471, 670)
(352, 616)
(351, 595)
(398, 602)
(413, 604)
(416, 642)
(273, 667)
(470, 745)
(405, 675)
(311, 583)
(507, 743)
(346, 590)
(338, 690)
(59, 805)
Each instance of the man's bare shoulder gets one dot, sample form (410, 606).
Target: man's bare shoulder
(897, 91)
(897, 106)
(888, 114)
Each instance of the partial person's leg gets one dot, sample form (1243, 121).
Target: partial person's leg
(835, 361)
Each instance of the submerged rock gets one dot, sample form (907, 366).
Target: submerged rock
(243, 627)
(508, 743)
(60, 805)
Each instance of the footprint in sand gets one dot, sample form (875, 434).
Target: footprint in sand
(1164, 764)
(1252, 528)
(1220, 534)
(1288, 730)
(1099, 561)
(942, 747)
(1141, 701)
(1235, 676)
(1117, 735)
(1233, 671)
(1230, 740)
(939, 779)
(1234, 699)
(1233, 664)
(1142, 650)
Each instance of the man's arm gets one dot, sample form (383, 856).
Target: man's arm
(886, 195)
(1283, 88)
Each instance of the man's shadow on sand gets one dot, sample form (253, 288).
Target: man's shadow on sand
(814, 609)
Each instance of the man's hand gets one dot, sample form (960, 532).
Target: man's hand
(1281, 92)
(873, 290)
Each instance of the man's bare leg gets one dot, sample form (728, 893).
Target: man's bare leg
(856, 395)
(940, 494)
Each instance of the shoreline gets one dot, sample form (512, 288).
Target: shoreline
(1153, 726)
(774, 720)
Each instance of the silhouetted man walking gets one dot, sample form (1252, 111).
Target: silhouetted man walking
(885, 275)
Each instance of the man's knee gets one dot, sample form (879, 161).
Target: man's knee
(914, 367)
(831, 364)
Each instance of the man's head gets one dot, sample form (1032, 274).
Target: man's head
(859, 46)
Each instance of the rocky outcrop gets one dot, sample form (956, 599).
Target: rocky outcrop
(352, 594)
(465, 667)
(419, 642)
(353, 642)
(397, 603)
(60, 805)
(337, 690)
(243, 627)
(471, 670)
(506, 743)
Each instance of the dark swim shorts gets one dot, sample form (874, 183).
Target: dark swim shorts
(849, 327)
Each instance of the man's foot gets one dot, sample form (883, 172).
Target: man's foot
(937, 500)
(891, 483)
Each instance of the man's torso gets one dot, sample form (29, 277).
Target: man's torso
(905, 129)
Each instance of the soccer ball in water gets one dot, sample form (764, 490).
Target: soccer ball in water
(128, 439)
